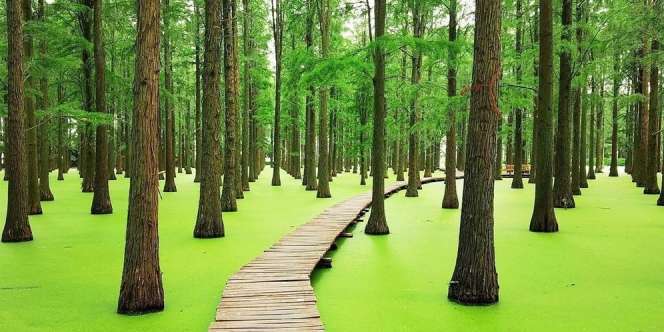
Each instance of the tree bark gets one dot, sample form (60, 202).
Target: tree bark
(45, 193)
(562, 190)
(377, 224)
(34, 206)
(209, 223)
(101, 201)
(198, 127)
(544, 217)
(141, 290)
(651, 185)
(229, 193)
(517, 180)
(413, 137)
(614, 117)
(324, 95)
(450, 198)
(277, 29)
(169, 184)
(475, 281)
(17, 227)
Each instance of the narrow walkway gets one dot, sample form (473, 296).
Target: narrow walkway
(274, 292)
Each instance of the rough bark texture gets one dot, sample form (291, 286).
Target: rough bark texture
(169, 184)
(324, 94)
(141, 290)
(277, 30)
(87, 151)
(450, 198)
(309, 178)
(517, 180)
(209, 223)
(198, 127)
(17, 227)
(592, 129)
(651, 185)
(377, 224)
(45, 193)
(475, 280)
(562, 190)
(34, 206)
(101, 201)
(246, 109)
(229, 194)
(413, 137)
(575, 184)
(544, 217)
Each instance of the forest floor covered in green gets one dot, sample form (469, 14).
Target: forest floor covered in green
(604, 270)
(68, 278)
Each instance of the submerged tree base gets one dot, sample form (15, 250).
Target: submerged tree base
(544, 222)
(377, 225)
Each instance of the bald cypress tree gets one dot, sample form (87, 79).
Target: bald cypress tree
(544, 217)
(475, 281)
(562, 190)
(101, 201)
(209, 223)
(517, 180)
(45, 193)
(141, 290)
(324, 95)
(17, 227)
(229, 193)
(377, 221)
(169, 160)
(450, 198)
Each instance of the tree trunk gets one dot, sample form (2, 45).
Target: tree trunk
(209, 223)
(246, 23)
(498, 170)
(450, 198)
(229, 192)
(277, 29)
(324, 94)
(34, 206)
(101, 201)
(198, 127)
(141, 290)
(17, 227)
(45, 193)
(475, 281)
(413, 137)
(593, 124)
(562, 190)
(544, 217)
(614, 117)
(377, 224)
(652, 187)
(517, 181)
(87, 152)
(169, 184)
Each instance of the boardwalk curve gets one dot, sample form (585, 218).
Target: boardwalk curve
(274, 292)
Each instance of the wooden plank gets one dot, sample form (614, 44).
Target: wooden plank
(273, 292)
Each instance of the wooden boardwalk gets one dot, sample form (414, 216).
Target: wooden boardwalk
(274, 292)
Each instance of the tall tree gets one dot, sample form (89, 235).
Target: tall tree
(141, 290)
(209, 223)
(651, 186)
(17, 227)
(101, 201)
(562, 190)
(198, 127)
(614, 116)
(377, 224)
(450, 199)
(544, 217)
(169, 184)
(475, 280)
(310, 136)
(45, 193)
(277, 30)
(517, 180)
(30, 118)
(324, 95)
(229, 193)
(416, 68)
